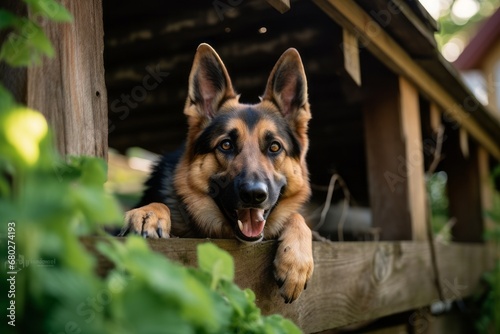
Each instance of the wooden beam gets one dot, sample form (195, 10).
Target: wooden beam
(281, 6)
(486, 184)
(487, 191)
(464, 142)
(412, 133)
(386, 157)
(352, 282)
(351, 56)
(435, 117)
(463, 189)
(349, 15)
(70, 89)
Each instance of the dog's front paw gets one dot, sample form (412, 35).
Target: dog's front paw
(294, 264)
(150, 221)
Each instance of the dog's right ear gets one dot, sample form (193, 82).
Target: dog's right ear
(209, 83)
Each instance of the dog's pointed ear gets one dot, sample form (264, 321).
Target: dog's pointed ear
(209, 82)
(287, 86)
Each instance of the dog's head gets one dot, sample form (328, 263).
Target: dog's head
(244, 170)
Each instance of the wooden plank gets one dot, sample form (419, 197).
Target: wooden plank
(463, 189)
(70, 89)
(486, 184)
(349, 15)
(464, 142)
(412, 133)
(351, 56)
(435, 117)
(352, 281)
(281, 6)
(387, 163)
(487, 198)
(398, 329)
(461, 266)
(448, 323)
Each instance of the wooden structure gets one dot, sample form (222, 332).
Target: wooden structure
(482, 56)
(353, 281)
(380, 93)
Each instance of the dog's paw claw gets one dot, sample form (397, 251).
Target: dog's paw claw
(279, 281)
(149, 221)
(292, 272)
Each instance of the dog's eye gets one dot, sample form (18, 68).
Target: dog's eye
(275, 147)
(226, 145)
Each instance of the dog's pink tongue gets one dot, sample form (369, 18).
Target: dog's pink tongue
(251, 222)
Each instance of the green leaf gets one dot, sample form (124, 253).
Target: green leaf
(7, 19)
(49, 9)
(215, 261)
(22, 130)
(94, 171)
(6, 100)
(16, 52)
(276, 324)
(39, 41)
(26, 45)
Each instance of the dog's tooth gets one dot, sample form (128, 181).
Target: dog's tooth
(240, 225)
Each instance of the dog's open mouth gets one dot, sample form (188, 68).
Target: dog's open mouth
(250, 224)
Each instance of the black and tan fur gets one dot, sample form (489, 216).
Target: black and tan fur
(242, 172)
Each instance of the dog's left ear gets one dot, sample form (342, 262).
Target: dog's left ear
(209, 83)
(287, 88)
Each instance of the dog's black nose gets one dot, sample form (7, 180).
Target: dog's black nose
(253, 192)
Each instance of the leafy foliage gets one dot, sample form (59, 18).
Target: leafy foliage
(436, 190)
(450, 28)
(26, 42)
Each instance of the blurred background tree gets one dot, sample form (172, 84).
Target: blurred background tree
(458, 21)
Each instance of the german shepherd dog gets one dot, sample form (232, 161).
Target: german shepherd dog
(242, 172)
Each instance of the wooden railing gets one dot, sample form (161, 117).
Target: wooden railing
(352, 281)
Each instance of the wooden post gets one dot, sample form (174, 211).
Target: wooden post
(435, 117)
(464, 189)
(395, 158)
(417, 194)
(487, 200)
(70, 89)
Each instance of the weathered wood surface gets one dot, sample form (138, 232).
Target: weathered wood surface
(414, 158)
(463, 189)
(387, 166)
(281, 5)
(69, 89)
(352, 282)
(349, 15)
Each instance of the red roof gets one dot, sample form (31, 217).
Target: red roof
(487, 35)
